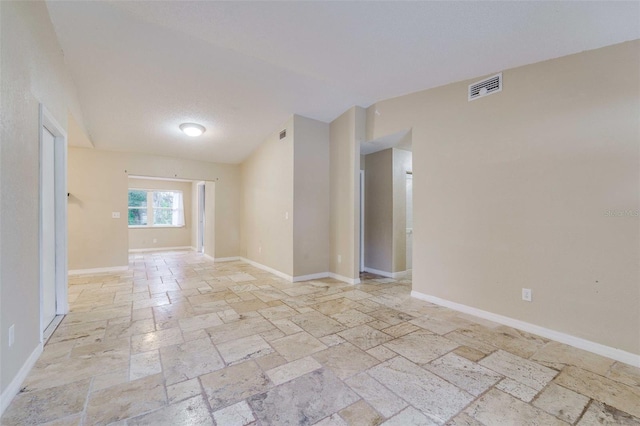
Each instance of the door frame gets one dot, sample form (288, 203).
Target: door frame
(361, 220)
(46, 120)
(201, 217)
(408, 176)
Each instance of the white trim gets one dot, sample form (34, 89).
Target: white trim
(47, 121)
(161, 178)
(342, 278)
(577, 342)
(399, 275)
(227, 259)
(99, 270)
(362, 268)
(378, 272)
(14, 387)
(160, 249)
(200, 215)
(268, 269)
(51, 328)
(155, 226)
(394, 275)
(310, 277)
(289, 277)
(208, 256)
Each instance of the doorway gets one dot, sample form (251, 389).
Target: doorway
(53, 223)
(361, 220)
(201, 217)
(409, 222)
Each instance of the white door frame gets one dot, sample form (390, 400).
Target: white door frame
(60, 195)
(200, 230)
(361, 220)
(409, 234)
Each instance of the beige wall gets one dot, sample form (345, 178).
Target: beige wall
(286, 200)
(142, 238)
(512, 190)
(97, 187)
(267, 210)
(378, 211)
(345, 135)
(32, 71)
(310, 196)
(98, 182)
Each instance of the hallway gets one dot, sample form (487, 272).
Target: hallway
(177, 339)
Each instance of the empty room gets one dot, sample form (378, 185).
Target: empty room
(319, 213)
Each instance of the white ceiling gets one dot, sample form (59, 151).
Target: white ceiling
(242, 68)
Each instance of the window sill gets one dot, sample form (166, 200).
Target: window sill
(154, 226)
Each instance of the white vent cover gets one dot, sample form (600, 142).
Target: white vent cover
(485, 87)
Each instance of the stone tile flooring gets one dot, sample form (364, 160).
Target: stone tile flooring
(179, 340)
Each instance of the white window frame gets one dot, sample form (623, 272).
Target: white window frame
(150, 209)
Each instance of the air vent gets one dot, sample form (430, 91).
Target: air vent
(485, 87)
(283, 134)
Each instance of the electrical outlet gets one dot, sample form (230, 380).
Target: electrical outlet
(115, 215)
(286, 215)
(339, 258)
(526, 294)
(259, 249)
(155, 240)
(12, 335)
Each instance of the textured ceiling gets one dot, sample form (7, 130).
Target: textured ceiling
(242, 68)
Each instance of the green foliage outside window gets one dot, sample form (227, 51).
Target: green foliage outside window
(165, 208)
(137, 207)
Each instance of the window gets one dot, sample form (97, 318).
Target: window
(137, 207)
(155, 208)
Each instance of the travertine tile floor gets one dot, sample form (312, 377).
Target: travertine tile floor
(179, 340)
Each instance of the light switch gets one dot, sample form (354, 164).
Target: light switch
(115, 215)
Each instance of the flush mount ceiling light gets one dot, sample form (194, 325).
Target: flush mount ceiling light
(192, 129)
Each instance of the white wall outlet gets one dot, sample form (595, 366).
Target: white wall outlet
(155, 240)
(12, 335)
(115, 215)
(526, 294)
(259, 249)
(286, 215)
(339, 258)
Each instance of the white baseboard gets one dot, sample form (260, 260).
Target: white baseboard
(310, 277)
(399, 275)
(14, 387)
(146, 250)
(577, 342)
(227, 259)
(300, 277)
(394, 275)
(347, 280)
(268, 269)
(98, 270)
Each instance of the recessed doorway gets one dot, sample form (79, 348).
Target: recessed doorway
(53, 223)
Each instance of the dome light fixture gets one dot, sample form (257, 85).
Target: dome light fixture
(192, 129)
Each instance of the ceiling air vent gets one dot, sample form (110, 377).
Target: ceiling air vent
(283, 134)
(485, 87)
